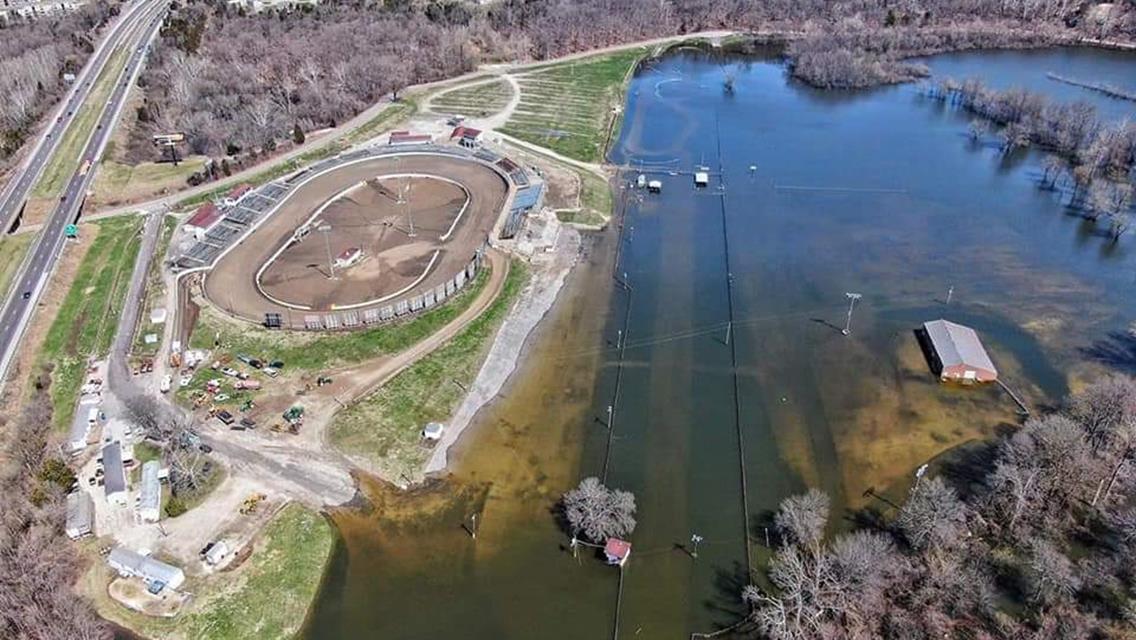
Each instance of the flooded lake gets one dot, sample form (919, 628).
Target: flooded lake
(732, 386)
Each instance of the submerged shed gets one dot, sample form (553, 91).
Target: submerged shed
(956, 353)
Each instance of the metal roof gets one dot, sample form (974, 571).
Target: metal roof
(145, 567)
(114, 476)
(956, 344)
(527, 198)
(151, 494)
(80, 513)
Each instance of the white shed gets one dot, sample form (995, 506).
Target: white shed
(433, 431)
(157, 315)
(150, 493)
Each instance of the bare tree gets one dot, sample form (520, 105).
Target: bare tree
(801, 519)
(1050, 576)
(933, 516)
(597, 512)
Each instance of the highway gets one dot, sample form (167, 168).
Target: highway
(136, 30)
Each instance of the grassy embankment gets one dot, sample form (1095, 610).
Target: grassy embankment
(570, 107)
(266, 598)
(386, 118)
(385, 428)
(155, 293)
(65, 161)
(12, 252)
(85, 323)
(477, 100)
(116, 182)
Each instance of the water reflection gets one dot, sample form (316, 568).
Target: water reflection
(874, 192)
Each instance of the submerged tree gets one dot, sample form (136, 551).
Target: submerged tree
(597, 513)
(933, 516)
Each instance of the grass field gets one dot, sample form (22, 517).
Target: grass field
(155, 293)
(116, 182)
(85, 323)
(65, 161)
(385, 428)
(12, 252)
(478, 100)
(569, 107)
(315, 352)
(266, 599)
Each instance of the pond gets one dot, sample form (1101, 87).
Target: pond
(711, 324)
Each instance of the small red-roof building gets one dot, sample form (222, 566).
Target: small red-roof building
(348, 257)
(957, 354)
(205, 218)
(236, 193)
(617, 551)
(399, 138)
(466, 136)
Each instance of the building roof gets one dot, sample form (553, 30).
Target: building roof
(80, 513)
(241, 189)
(145, 567)
(956, 345)
(527, 198)
(349, 253)
(205, 217)
(151, 490)
(616, 548)
(465, 132)
(114, 476)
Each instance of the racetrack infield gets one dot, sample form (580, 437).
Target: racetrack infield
(350, 195)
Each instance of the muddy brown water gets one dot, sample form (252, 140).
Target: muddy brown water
(876, 192)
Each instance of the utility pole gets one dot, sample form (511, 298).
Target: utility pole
(325, 229)
(852, 298)
(473, 529)
(695, 539)
(950, 292)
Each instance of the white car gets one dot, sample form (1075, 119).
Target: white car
(229, 371)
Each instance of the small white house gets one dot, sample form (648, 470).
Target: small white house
(433, 431)
(157, 315)
(701, 178)
(348, 257)
(655, 186)
(156, 574)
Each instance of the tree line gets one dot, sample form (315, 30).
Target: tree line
(37, 566)
(1037, 543)
(35, 54)
(1094, 157)
(237, 83)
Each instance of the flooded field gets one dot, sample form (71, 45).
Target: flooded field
(718, 346)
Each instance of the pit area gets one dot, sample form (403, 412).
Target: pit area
(361, 235)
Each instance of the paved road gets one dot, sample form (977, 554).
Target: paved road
(16, 191)
(137, 31)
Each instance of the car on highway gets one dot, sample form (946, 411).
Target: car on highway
(27, 295)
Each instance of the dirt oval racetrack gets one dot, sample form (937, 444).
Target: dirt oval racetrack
(457, 204)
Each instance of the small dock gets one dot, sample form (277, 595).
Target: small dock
(1022, 408)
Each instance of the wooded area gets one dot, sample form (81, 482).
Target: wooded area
(34, 56)
(244, 83)
(1028, 537)
(37, 565)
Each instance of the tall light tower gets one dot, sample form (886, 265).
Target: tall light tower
(852, 298)
(325, 229)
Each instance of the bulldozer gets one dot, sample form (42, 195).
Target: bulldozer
(250, 504)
